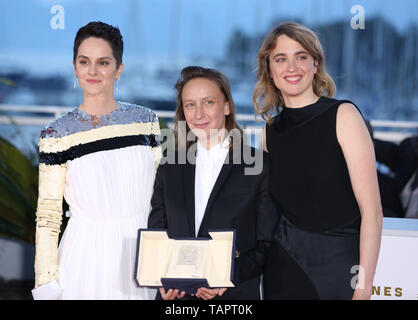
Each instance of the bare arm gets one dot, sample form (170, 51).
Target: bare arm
(359, 155)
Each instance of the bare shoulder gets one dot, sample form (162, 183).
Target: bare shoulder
(349, 117)
(347, 111)
(350, 123)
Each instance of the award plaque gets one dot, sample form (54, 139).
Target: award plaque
(186, 263)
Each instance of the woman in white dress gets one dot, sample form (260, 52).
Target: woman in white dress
(101, 157)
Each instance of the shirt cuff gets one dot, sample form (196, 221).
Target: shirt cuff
(48, 291)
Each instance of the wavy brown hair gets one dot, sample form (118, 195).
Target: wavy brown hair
(193, 72)
(267, 97)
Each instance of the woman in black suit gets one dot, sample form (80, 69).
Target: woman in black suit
(215, 183)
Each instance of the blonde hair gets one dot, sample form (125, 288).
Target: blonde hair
(267, 96)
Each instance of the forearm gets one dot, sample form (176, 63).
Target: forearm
(46, 258)
(370, 237)
(252, 262)
(48, 222)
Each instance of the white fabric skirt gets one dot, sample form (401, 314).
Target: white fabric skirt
(97, 260)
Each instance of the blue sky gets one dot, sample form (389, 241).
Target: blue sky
(165, 29)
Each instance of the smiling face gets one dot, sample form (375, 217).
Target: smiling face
(204, 108)
(95, 67)
(292, 69)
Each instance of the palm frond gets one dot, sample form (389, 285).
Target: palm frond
(18, 193)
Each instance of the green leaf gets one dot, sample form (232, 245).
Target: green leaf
(18, 194)
(19, 169)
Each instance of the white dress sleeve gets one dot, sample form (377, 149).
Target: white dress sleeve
(48, 222)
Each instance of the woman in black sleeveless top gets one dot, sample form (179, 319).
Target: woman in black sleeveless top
(323, 175)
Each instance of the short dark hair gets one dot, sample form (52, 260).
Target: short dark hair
(103, 31)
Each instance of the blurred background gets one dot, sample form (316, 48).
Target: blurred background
(371, 49)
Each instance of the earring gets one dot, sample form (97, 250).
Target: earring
(117, 85)
(75, 82)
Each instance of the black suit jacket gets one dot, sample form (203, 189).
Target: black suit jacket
(237, 201)
(402, 159)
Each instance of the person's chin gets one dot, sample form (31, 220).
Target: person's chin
(200, 133)
(293, 92)
(93, 93)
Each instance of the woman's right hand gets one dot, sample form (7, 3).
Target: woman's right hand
(171, 294)
(48, 291)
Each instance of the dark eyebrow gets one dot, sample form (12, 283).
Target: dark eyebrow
(101, 58)
(302, 52)
(207, 97)
(282, 54)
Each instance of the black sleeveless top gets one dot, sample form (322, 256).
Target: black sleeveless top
(309, 175)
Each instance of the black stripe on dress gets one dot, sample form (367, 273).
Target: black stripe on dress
(77, 151)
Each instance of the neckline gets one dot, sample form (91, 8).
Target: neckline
(215, 149)
(293, 118)
(86, 114)
(319, 100)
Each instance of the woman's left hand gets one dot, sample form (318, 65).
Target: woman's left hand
(171, 294)
(208, 294)
(362, 294)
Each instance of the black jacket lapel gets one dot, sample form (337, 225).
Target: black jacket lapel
(188, 188)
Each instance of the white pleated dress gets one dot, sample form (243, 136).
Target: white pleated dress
(108, 187)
